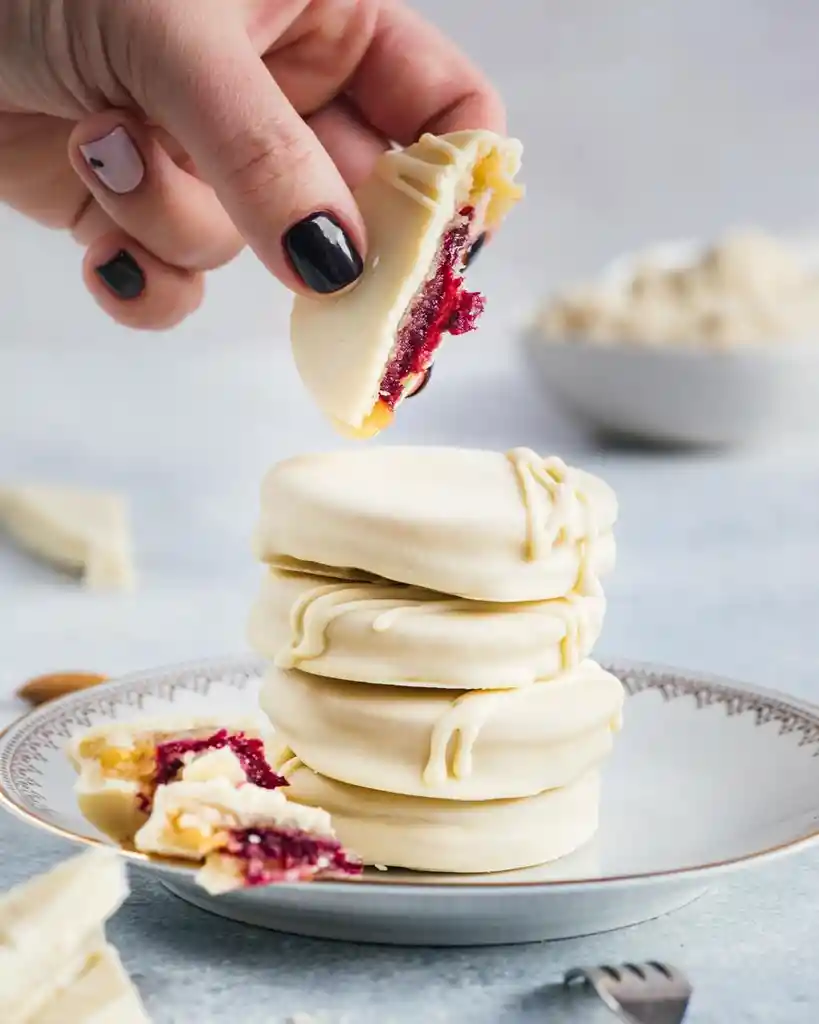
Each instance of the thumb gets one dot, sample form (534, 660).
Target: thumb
(210, 89)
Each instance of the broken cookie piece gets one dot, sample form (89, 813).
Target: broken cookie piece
(362, 352)
(244, 835)
(120, 765)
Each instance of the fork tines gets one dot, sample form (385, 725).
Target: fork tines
(639, 993)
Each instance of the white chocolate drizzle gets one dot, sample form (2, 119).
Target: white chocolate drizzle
(474, 168)
(557, 512)
(551, 499)
(386, 620)
(313, 613)
(456, 732)
(316, 609)
(286, 762)
(416, 171)
(575, 612)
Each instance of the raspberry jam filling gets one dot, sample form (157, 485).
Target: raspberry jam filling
(443, 306)
(249, 751)
(275, 855)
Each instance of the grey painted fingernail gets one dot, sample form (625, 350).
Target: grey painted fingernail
(115, 160)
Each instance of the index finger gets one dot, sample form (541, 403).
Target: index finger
(412, 80)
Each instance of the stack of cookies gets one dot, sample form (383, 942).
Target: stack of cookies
(429, 614)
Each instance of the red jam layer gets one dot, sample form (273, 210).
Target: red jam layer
(249, 752)
(276, 855)
(442, 307)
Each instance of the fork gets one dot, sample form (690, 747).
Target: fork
(644, 993)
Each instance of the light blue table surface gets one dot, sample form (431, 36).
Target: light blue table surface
(719, 557)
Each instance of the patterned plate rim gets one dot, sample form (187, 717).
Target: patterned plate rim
(770, 707)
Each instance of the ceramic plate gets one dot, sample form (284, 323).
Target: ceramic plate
(708, 776)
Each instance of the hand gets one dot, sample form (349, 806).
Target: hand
(166, 134)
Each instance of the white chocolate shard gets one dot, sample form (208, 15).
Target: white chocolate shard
(81, 531)
(51, 931)
(101, 993)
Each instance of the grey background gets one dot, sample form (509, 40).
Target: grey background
(641, 120)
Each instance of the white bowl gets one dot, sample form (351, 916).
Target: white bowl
(684, 396)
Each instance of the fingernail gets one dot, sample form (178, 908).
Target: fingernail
(123, 276)
(475, 250)
(322, 254)
(115, 160)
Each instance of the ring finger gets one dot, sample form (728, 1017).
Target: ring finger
(169, 212)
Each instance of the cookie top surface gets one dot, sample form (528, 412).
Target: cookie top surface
(476, 524)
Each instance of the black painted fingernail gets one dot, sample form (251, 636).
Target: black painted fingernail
(423, 384)
(475, 250)
(322, 254)
(123, 276)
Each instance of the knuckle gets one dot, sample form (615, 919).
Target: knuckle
(199, 253)
(263, 160)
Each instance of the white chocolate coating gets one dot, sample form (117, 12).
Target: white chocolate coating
(343, 343)
(51, 926)
(186, 817)
(452, 745)
(108, 792)
(100, 993)
(476, 524)
(452, 836)
(192, 820)
(87, 532)
(382, 632)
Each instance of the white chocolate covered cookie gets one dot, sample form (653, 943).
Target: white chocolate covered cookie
(476, 524)
(453, 745)
(452, 836)
(391, 633)
(361, 352)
